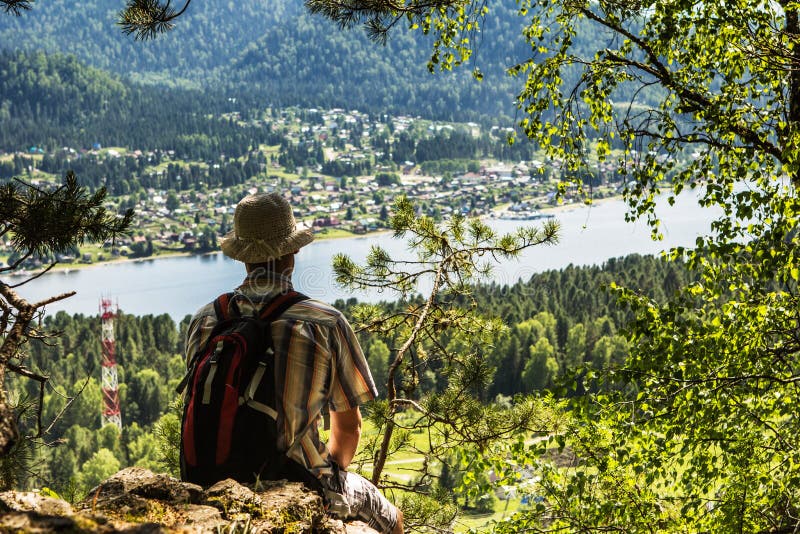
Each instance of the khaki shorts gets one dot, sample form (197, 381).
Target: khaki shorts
(363, 501)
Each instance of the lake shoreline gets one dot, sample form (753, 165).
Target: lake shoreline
(186, 282)
(63, 268)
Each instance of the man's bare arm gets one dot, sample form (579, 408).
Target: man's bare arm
(345, 433)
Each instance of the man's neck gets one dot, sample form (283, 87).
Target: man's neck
(268, 274)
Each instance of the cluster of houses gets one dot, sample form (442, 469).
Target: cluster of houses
(360, 207)
(191, 221)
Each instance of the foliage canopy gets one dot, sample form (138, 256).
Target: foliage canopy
(697, 429)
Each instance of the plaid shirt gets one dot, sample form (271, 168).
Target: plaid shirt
(318, 362)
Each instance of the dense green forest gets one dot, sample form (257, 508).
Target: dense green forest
(557, 321)
(57, 101)
(280, 55)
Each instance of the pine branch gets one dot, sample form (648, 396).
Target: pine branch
(378, 16)
(70, 400)
(41, 222)
(448, 256)
(54, 221)
(17, 263)
(15, 7)
(34, 277)
(146, 19)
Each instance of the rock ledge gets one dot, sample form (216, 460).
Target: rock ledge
(136, 500)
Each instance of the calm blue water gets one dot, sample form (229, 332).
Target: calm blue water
(178, 286)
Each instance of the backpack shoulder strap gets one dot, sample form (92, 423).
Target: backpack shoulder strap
(279, 304)
(222, 305)
(221, 312)
(226, 303)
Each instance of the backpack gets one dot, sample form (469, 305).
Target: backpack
(229, 421)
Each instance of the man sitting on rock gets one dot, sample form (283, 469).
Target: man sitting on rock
(319, 364)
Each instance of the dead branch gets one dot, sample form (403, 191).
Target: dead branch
(22, 371)
(67, 405)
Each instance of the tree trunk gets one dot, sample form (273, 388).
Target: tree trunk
(793, 29)
(14, 337)
(9, 434)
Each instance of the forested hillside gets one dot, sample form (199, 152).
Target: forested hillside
(56, 101)
(280, 54)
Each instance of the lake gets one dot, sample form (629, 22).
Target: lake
(179, 285)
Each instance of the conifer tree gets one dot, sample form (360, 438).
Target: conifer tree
(449, 258)
(40, 222)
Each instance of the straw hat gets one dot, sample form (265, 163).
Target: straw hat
(263, 229)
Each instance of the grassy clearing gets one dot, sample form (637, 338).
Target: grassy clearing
(403, 466)
(332, 233)
(274, 173)
(162, 166)
(119, 150)
(480, 522)
(269, 149)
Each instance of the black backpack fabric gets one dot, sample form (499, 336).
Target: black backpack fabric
(229, 422)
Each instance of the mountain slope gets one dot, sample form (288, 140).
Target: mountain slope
(54, 101)
(280, 54)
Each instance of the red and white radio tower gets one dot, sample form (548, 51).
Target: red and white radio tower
(111, 413)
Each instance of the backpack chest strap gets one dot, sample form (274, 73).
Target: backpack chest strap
(252, 387)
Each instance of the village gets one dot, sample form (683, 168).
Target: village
(356, 199)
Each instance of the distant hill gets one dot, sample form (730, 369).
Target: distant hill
(278, 53)
(55, 101)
